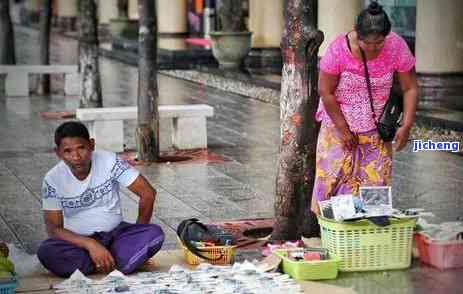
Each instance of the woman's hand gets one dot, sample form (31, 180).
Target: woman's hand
(349, 140)
(102, 258)
(401, 138)
(327, 84)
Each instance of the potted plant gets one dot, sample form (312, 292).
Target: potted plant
(231, 42)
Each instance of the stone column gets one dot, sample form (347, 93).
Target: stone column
(172, 15)
(133, 9)
(265, 21)
(66, 13)
(54, 8)
(33, 5)
(336, 17)
(67, 8)
(32, 8)
(439, 51)
(107, 9)
(266, 27)
(439, 36)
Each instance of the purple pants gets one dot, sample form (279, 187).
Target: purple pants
(130, 245)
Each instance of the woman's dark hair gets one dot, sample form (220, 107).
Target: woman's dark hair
(71, 129)
(373, 20)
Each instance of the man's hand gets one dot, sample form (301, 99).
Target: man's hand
(102, 258)
(401, 138)
(349, 140)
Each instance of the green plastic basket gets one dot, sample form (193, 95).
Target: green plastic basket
(8, 287)
(308, 270)
(363, 246)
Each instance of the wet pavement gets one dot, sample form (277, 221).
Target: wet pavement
(244, 131)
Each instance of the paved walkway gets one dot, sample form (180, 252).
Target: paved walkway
(244, 131)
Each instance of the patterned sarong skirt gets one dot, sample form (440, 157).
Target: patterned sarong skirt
(342, 171)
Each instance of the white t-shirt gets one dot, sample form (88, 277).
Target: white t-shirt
(91, 205)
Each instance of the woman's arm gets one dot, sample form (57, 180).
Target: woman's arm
(409, 87)
(326, 87)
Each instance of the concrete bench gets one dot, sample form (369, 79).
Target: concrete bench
(181, 126)
(17, 77)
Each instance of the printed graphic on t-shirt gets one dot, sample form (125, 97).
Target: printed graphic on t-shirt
(92, 196)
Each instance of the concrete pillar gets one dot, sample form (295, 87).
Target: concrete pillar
(172, 43)
(336, 17)
(32, 9)
(107, 9)
(133, 9)
(172, 15)
(67, 8)
(439, 36)
(33, 5)
(66, 14)
(266, 23)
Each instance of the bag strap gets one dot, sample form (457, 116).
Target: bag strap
(367, 78)
(348, 43)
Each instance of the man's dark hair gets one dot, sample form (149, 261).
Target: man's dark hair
(373, 20)
(71, 129)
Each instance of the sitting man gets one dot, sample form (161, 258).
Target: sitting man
(82, 213)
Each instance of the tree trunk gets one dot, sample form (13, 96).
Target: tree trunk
(7, 52)
(147, 132)
(299, 100)
(88, 55)
(45, 22)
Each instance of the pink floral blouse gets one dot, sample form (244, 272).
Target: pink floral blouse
(351, 92)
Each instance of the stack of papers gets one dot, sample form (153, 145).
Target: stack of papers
(373, 201)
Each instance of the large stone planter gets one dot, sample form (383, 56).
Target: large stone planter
(124, 27)
(230, 48)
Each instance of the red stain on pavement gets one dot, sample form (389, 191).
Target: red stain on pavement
(199, 156)
(58, 114)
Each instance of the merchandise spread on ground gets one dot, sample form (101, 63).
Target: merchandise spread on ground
(241, 278)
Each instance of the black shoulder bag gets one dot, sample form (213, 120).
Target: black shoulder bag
(389, 121)
(192, 230)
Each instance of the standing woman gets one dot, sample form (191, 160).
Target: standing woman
(350, 152)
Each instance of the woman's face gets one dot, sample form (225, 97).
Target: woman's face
(372, 44)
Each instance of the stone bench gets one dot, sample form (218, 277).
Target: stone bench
(17, 77)
(180, 126)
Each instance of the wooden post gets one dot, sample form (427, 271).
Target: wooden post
(298, 137)
(147, 132)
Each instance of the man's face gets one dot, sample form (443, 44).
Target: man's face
(76, 152)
